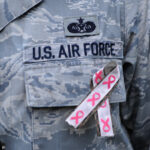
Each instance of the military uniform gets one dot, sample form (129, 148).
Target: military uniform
(45, 72)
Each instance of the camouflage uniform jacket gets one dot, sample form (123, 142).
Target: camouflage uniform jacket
(39, 90)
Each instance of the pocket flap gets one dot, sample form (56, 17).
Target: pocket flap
(65, 84)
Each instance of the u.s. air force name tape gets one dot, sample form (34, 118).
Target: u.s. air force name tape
(73, 50)
(103, 112)
(91, 103)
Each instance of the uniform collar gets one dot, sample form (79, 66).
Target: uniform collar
(11, 10)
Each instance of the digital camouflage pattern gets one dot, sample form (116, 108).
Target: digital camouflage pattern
(36, 98)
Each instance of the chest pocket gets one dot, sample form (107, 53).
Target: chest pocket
(58, 73)
(66, 81)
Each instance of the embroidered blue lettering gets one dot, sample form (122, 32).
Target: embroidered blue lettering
(47, 51)
(75, 50)
(42, 53)
(107, 50)
(62, 52)
(69, 51)
(36, 53)
(112, 49)
(86, 48)
(101, 49)
(94, 49)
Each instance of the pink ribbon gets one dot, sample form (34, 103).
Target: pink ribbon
(111, 80)
(94, 99)
(103, 111)
(96, 96)
(77, 117)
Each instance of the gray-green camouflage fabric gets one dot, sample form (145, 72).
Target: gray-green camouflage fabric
(44, 74)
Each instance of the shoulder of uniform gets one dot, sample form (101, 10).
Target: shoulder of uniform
(12, 9)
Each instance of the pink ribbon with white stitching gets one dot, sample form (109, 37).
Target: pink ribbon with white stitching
(90, 104)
